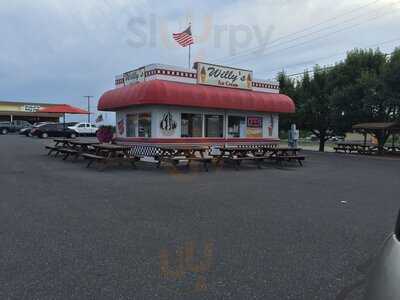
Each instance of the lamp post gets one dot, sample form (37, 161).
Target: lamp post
(88, 106)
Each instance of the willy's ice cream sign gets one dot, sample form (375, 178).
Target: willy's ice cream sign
(223, 76)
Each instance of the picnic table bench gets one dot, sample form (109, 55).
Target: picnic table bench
(392, 149)
(258, 155)
(358, 147)
(70, 147)
(110, 153)
(177, 153)
(236, 155)
(59, 143)
(81, 147)
(287, 154)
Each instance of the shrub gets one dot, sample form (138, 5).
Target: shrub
(105, 133)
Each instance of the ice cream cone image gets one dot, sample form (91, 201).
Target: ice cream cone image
(203, 75)
(249, 81)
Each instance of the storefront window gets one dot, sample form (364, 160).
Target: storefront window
(191, 125)
(131, 125)
(214, 126)
(145, 125)
(236, 127)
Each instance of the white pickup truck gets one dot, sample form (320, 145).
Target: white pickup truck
(84, 129)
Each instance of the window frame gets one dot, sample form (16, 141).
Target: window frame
(136, 122)
(202, 124)
(222, 132)
(227, 125)
(150, 124)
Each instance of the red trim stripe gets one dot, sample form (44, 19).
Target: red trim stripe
(208, 141)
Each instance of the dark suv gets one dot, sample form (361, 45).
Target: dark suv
(53, 130)
(14, 126)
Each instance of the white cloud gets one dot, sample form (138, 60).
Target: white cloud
(62, 50)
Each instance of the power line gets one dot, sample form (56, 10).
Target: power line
(307, 28)
(336, 54)
(324, 36)
(254, 50)
(324, 68)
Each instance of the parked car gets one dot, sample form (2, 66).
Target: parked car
(84, 128)
(384, 279)
(26, 130)
(312, 137)
(53, 130)
(14, 126)
(336, 138)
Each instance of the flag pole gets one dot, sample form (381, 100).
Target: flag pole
(189, 55)
(190, 46)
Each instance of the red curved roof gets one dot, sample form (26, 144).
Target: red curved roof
(161, 92)
(63, 109)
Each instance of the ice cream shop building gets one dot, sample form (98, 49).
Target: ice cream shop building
(209, 104)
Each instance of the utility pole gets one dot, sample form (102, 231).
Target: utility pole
(88, 106)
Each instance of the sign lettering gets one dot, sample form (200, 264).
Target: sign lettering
(224, 76)
(134, 76)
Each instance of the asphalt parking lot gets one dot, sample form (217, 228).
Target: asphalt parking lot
(68, 232)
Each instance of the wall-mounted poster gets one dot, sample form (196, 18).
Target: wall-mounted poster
(168, 124)
(121, 126)
(254, 127)
(224, 76)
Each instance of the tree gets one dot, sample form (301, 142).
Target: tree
(391, 86)
(317, 111)
(288, 87)
(362, 88)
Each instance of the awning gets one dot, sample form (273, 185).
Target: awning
(63, 109)
(161, 92)
(30, 114)
(378, 126)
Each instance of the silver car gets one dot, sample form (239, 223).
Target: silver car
(384, 281)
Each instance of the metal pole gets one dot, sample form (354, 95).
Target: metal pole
(189, 56)
(88, 106)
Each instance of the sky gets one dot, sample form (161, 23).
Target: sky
(59, 51)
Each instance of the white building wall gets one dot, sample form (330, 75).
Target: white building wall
(276, 125)
(157, 113)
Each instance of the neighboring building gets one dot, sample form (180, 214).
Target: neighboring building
(28, 111)
(209, 104)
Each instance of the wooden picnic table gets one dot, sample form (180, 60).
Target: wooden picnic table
(287, 154)
(108, 153)
(392, 149)
(242, 151)
(81, 147)
(284, 151)
(177, 153)
(258, 154)
(63, 141)
(360, 147)
(61, 145)
(112, 150)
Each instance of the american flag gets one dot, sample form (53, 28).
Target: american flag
(99, 119)
(184, 38)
